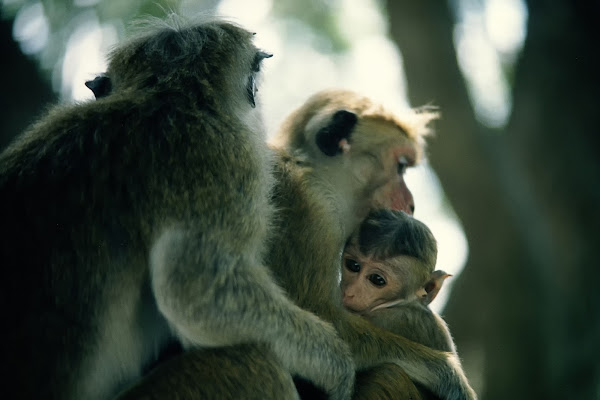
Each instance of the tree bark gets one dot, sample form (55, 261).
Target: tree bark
(554, 132)
(527, 198)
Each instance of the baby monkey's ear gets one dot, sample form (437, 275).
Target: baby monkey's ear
(100, 85)
(433, 286)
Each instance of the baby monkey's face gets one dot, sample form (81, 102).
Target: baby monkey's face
(367, 283)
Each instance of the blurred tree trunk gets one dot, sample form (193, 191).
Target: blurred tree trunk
(24, 90)
(555, 133)
(525, 324)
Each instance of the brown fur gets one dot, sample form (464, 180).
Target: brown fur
(140, 219)
(321, 201)
(385, 382)
(405, 251)
(193, 375)
(416, 322)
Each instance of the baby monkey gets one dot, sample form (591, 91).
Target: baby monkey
(388, 277)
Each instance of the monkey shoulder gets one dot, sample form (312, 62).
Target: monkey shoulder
(295, 204)
(294, 191)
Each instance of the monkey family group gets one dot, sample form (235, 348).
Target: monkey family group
(155, 245)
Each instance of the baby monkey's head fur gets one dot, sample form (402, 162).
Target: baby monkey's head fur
(387, 234)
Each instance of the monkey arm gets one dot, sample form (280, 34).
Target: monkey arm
(323, 190)
(416, 322)
(438, 371)
(307, 266)
(243, 305)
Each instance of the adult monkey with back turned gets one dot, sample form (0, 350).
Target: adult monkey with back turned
(337, 157)
(140, 218)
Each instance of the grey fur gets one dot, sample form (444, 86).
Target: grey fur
(140, 218)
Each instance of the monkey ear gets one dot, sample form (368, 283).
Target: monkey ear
(100, 85)
(334, 137)
(433, 286)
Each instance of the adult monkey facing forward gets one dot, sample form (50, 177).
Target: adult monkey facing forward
(140, 219)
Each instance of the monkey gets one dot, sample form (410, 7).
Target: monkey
(335, 158)
(388, 277)
(141, 218)
(339, 156)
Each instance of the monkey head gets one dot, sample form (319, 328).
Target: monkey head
(368, 285)
(390, 258)
(373, 146)
(216, 62)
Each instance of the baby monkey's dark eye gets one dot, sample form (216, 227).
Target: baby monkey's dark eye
(377, 280)
(352, 265)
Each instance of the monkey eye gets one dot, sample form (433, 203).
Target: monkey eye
(352, 265)
(403, 164)
(377, 280)
(251, 90)
(251, 87)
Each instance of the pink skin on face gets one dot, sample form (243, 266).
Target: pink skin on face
(395, 194)
(402, 198)
(359, 291)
